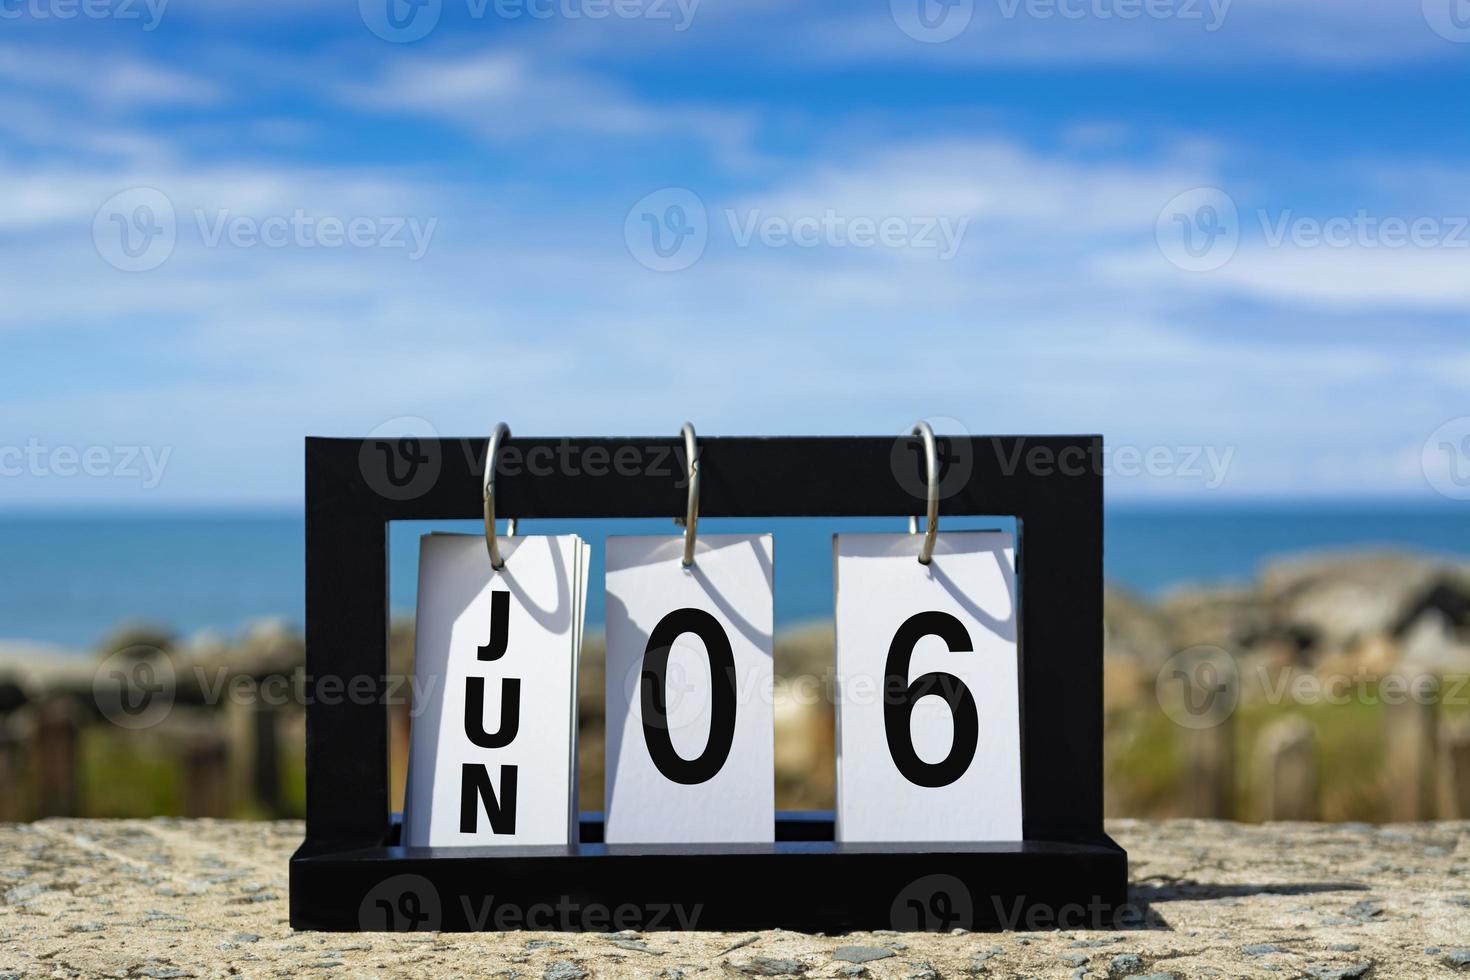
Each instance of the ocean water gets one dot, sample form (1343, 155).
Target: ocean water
(67, 579)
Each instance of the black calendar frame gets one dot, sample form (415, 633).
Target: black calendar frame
(1066, 873)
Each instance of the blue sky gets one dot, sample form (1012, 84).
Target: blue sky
(1185, 224)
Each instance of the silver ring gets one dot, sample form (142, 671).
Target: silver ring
(691, 514)
(931, 469)
(502, 431)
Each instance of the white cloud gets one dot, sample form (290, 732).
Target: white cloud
(1334, 280)
(506, 95)
(545, 318)
(119, 82)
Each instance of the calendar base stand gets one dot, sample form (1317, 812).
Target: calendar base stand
(803, 882)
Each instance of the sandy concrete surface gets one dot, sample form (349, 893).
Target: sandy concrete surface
(174, 898)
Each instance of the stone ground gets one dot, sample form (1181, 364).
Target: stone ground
(171, 898)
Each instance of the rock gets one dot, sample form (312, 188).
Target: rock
(1214, 617)
(852, 970)
(1337, 971)
(765, 966)
(861, 954)
(563, 970)
(1456, 959)
(1134, 630)
(1125, 963)
(923, 971)
(1072, 959)
(978, 961)
(1261, 949)
(1432, 643)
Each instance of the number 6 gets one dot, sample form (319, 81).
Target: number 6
(899, 700)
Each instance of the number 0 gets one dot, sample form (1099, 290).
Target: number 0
(722, 696)
(899, 699)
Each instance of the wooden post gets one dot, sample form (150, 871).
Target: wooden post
(1198, 689)
(239, 727)
(12, 772)
(55, 754)
(1410, 737)
(267, 750)
(206, 775)
(254, 773)
(1285, 771)
(1454, 769)
(1209, 770)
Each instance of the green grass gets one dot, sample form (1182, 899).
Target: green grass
(127, 774)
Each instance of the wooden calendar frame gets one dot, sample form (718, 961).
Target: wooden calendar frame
(1051, 485)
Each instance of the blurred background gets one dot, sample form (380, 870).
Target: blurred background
(1233, 237)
